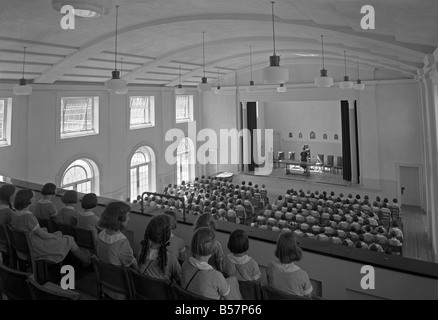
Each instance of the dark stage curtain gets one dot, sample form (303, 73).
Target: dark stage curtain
(252, 125)
(357, 142)
(346, 149)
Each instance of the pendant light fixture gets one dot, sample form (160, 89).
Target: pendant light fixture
(359, 85)
(346, 84)
(274, 74)
(125, 91)
(23, 89)
(115, 84)
(179, 89)
(281, 89)
(251, 86)
(218, 89)
(323, 81)
(204, 85)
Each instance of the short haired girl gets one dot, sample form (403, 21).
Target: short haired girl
(283, 274)
(238, 263)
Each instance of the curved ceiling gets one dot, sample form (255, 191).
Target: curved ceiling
(158, 36)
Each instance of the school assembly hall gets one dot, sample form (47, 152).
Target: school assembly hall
(272, 149)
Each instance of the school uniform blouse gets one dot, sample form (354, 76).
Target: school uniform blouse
(176, 246)
(45, 209)
(244, 268)
(5, 218)
(68, 216)
(89, 221)
(200, 278)
(54, 250)
(5, 214)
(115, 249)
(288, 278)
(152, 268)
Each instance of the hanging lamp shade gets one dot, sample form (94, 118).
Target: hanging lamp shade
(179, 89)
(115, 84)
(85, 8)
(281, 89)
(346, 84)
(359, 86)
(323, 81)
(23, 89)
(251, 87)
(204, 85)
(274, 74)
(218, 89)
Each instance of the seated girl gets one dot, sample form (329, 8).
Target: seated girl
(282, 274)
(45, 209)
(199, 277)
(238, 263)
(154, 259)
(87, 219)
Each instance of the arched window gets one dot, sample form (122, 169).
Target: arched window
(325, 136)
(141, 173)
(185, 167)
(312, 135)
(81, 176)
(336, 137)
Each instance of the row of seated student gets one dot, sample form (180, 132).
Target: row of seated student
(342, 220)
(206, 272)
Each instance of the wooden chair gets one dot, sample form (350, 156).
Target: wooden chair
(50, 291)
(291, 156)
(85, 239)
(13, 284)
(112, 278)
(182, 294)
(280, 158)
(274, 294)
(65, 229)
(251, 290)
(148, 288)
(49, 224)
(7, 251)
(330, 163)
(21, 247)
(339, 165)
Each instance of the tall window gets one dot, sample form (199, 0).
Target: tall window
(5, 121)
(81, 176)
(183, 162)
(79, 116)
(142, 112)
(141, 172)
(184, 108)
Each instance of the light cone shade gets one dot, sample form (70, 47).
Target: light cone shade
(180, 90)
(324, 81)
(218, 90)
(22, 90)
(275, 75)
(281, 89)
(359, 86)
(346, 84)
(251, 88)
(85, 8)
(204, 85)
(116, 85)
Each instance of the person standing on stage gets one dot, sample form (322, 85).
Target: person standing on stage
(305, 157)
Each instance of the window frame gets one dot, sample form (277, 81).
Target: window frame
(7, 122)
(148, 164)
(151, 111)
(94, 179)
(96, 101)
(191, 100)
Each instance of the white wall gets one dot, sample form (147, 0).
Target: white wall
(321, 117)
(38, 155)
